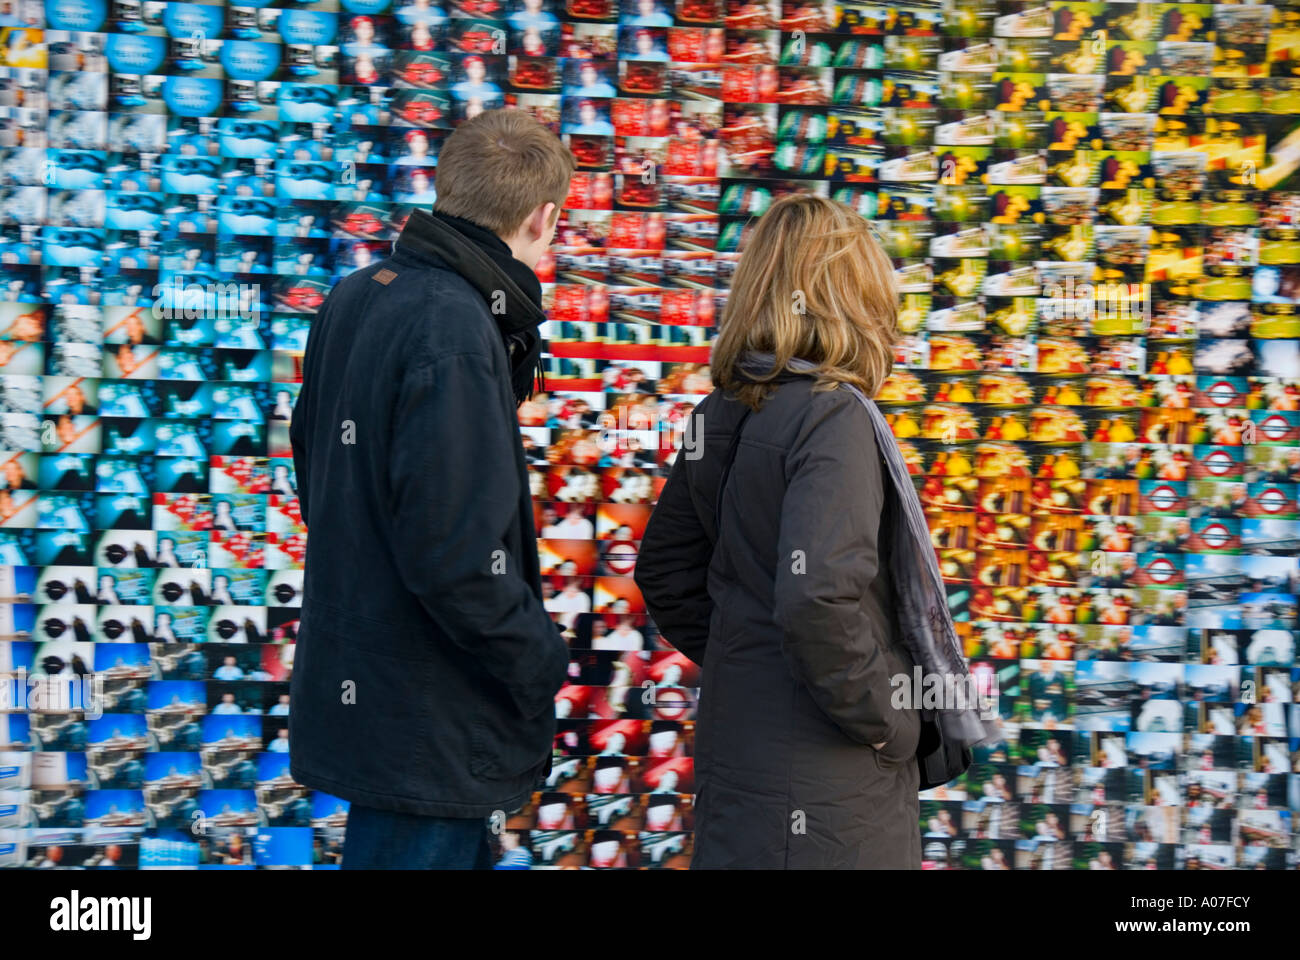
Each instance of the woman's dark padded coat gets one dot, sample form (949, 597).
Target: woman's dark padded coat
(790, 615)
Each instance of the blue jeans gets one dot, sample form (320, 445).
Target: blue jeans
(384, 840)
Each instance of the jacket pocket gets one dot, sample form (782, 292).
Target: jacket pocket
(504, 744)
(739, 829)
(904, 744)
(903, 747)
(359, 717)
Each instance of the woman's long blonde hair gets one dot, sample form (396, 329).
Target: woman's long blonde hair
(813, 283)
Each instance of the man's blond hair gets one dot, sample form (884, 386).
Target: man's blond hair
(497, 168)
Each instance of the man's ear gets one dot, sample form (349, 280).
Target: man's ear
(548, 213)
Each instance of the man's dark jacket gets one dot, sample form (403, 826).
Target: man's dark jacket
(426, 665)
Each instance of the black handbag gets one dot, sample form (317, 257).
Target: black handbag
(941, 761)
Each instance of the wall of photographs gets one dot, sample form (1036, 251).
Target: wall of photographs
(1093, 209)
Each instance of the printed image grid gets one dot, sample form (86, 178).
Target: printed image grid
(1094, 212)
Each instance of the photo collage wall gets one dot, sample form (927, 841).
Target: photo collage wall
(1094, 214)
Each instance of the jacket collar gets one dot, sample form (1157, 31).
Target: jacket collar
(753, 365)
(484, 260)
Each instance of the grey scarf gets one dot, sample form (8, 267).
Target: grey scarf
(921, 602)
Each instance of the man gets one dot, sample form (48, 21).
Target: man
(569, 602)
(574, 526)
(417, 149)
(476, 83)
(426, 665)
(590, 122)
(591, 84)
(648, 14)
(421, 188)
(645, 48)
(532, 15)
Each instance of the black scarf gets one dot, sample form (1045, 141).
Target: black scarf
(512, 291)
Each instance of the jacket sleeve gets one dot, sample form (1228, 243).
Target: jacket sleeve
(455, 495)
(827, 557)
(672, 568)
(298, 420)
(298, 441)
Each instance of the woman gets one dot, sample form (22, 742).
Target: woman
(783, 596)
